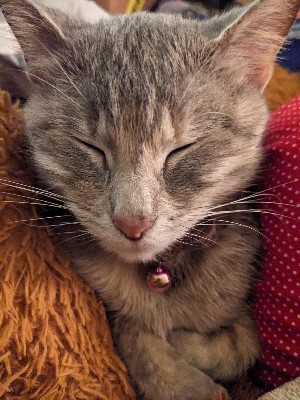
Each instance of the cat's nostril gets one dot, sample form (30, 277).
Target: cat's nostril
(133, 228)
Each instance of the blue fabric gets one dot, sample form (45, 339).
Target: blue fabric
(289, 55)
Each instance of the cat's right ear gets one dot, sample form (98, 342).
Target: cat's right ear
(250, 37)
(35, 29)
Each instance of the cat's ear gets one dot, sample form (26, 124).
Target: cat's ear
(249, 45)
(35, 29)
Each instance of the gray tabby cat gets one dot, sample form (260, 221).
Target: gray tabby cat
(149, 129)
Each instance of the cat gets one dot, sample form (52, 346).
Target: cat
(149, 130)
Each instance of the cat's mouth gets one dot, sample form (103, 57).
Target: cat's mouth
(201, 236)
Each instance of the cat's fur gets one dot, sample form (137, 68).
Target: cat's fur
(138, 88)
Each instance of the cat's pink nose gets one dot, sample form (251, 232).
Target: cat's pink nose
(133, 228)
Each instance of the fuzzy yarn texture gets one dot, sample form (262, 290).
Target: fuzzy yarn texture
(55, 342)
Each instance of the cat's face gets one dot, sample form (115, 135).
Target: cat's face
(144, 127)
(171, 137)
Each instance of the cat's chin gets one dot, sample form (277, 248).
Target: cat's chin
(135, 256)
(136, 253)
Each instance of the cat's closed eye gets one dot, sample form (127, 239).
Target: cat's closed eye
(179, 150)
(92, 146)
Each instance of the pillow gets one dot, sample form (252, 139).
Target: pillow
(277, 305)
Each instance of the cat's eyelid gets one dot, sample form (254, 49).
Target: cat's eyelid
(181, 149)
(91, 145)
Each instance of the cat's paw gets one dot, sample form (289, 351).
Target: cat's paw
(184, 382)
(223, 355)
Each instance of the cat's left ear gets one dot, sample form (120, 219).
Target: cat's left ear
(249, 45)
(35, 29)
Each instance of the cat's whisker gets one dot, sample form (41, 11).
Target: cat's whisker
(199, 237)
(71, 232)
(198, 240)
(261, 196)
(62, 69)
(76, 237)
(255, 195)
(48, 83)
(41, 218)
(33, 203)
(186, 243)
(196, 236)
(32, 189)
(273, 202)
(275, 187)
(52, 225)
(262, 211)
(228, 223)
(252, 201)
(28, 198)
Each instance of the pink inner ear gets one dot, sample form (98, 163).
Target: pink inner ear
(262, 75)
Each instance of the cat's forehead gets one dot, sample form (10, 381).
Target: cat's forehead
(142, 69)
(141, 57)
(149, 77)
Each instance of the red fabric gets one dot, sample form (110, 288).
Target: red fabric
(277, 305)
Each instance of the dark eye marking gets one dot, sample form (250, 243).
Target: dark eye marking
(179, 150)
